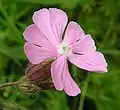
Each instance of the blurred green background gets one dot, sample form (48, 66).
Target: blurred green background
(100, 18)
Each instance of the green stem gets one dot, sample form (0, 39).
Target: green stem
(2, 86)
(8, 106)
(82, 98)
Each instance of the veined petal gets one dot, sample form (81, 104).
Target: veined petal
(51, 23)
(94, 61)
(57, 71)
(42, 19)
(33, 35)
(59, 20)
(37, 54)
(70, 87)
(61, 77)
(84, 46)
(73, 33)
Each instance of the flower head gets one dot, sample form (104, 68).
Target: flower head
(45, 40)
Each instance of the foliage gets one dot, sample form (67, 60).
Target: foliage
(98, 18)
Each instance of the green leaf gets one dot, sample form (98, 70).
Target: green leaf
(14, 53)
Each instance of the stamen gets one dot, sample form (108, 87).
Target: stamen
(64, 49)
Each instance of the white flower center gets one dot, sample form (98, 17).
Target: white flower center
(64, 49)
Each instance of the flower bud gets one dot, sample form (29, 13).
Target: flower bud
(26, 86)
(39, 74)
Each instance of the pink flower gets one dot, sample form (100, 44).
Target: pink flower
(45, 40)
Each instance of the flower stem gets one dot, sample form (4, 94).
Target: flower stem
(2, 86)
(10, 106)
(82, 98)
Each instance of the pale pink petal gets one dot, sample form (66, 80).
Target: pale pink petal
(73, 33)
(37, 54)
(42, 19)
(61, 77)
(33, 35)
(94, 61)
(58, 21)
(84, 46)
(57, 71)
(51, 23)
(70, 87)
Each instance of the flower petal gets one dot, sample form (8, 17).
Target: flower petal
(42, 19)
(56, 72)
(85, 45)
(70, 87)
(73, 33)
(61, 77)
(94, 61)
(33, 35)
(51, 23)
(59, 20)
(37, 54)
